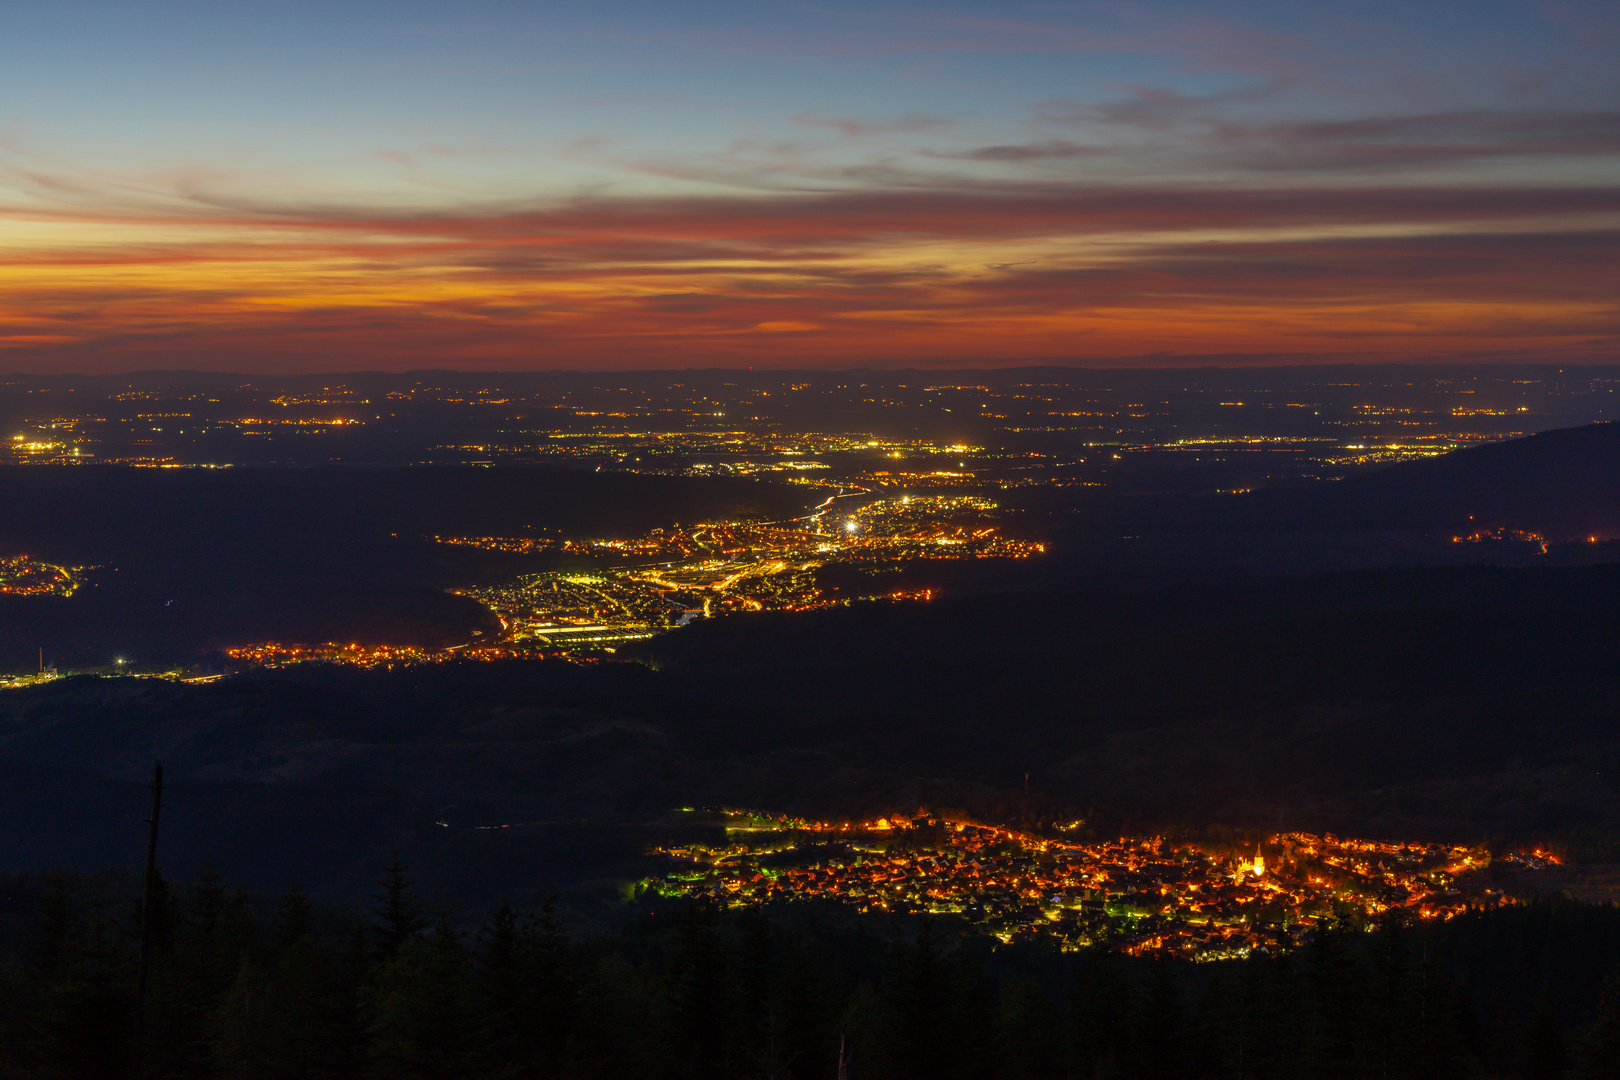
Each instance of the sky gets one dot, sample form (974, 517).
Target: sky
(354, 185)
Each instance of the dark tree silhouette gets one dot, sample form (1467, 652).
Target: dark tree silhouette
(397, 915)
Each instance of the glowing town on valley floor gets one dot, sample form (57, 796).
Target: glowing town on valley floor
(1137, 895)
(667, 578)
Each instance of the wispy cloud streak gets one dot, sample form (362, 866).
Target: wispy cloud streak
(820, 183)
(947, 276)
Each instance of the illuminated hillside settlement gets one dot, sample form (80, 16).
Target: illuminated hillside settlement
(1137, 895)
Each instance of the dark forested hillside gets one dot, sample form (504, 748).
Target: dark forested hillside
(1458, 704)
(1563, 483)
(245, 986)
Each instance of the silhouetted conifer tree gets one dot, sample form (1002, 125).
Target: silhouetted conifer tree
(808, 1008)
(504, 995)
(419, 1017)
(218, 932)
(698, 998)
(285, 1018)
(1099, 1007)
(1161, 1049)
(527, 991)
(1027, 1046)
(554, 975)
(52, 938)
(14, 993)
(970, 1041)
(756, 1026)
(1334, 1027)
(623, 1028)
(397, 914)
(294, 918)
(1599, 1057)
(922, 1031)
(863, 1030)
(1387, 1041)
(1542, 1052)
(80, 1025)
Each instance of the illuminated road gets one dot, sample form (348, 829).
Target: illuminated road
(826, 507)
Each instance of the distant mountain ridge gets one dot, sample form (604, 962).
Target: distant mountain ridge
(1561, 486)
(1563, 483)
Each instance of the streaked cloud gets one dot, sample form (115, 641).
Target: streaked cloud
(915, 277)
(904, 183)
(910, 123)
(1046, 150)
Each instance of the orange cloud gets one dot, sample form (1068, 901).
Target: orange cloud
(901, 277)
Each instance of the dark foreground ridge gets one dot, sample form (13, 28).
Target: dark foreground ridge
(260, 987)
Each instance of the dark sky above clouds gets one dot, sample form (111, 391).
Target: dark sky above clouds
(320, 186)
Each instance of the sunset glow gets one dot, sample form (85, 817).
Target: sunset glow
(928, 186)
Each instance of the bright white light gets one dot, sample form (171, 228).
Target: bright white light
(851, 526)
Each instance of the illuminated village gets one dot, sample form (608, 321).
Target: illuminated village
(1137, 895)
(21, 575)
